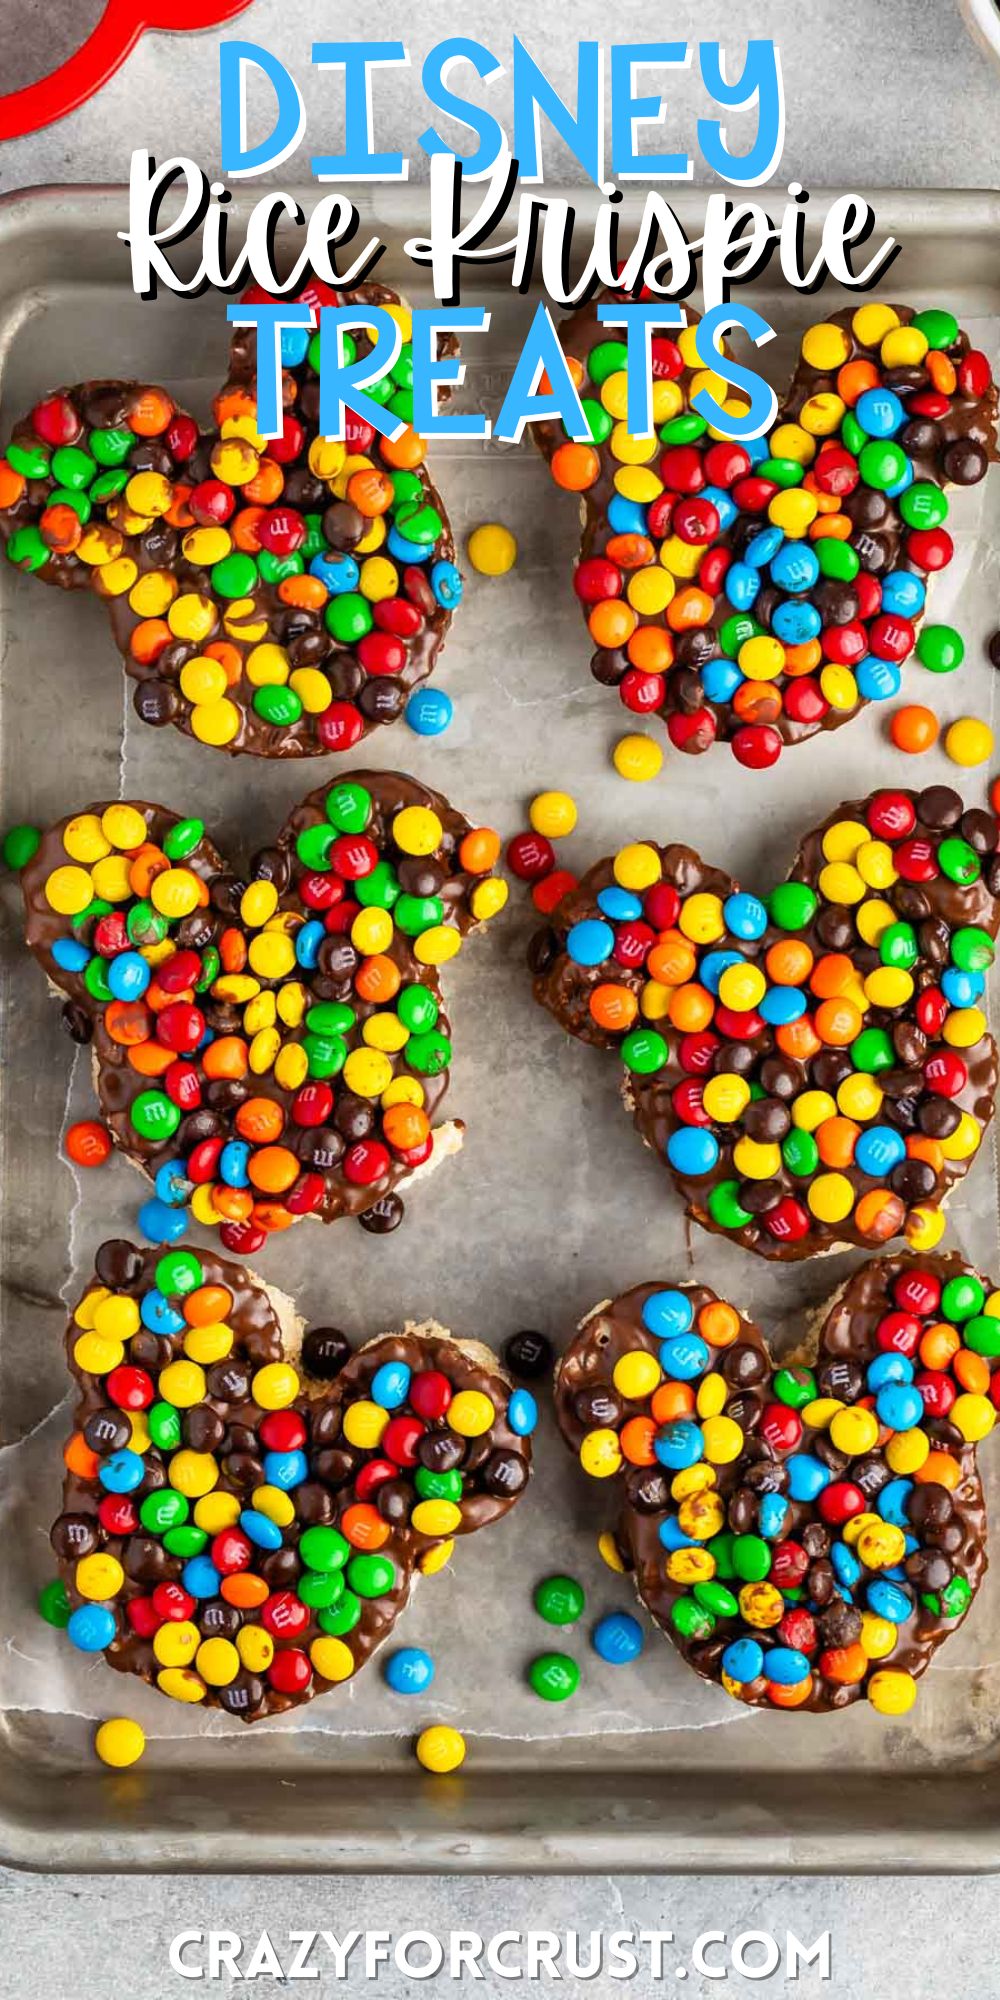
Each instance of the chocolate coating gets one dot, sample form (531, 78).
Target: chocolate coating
(821, 1614)
(955, 448)
(942, 906)
(239, 1432)
(247, 615)
(320, 1149)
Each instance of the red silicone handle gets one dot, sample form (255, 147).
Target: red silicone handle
(116, 33)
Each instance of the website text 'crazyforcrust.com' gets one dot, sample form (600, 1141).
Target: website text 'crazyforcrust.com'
(507, 1954)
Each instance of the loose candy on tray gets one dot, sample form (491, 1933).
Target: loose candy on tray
(806, 1533)
(275, 1046)
(757, 593)
(244, 1509)
(815, 1067)
(282, 596)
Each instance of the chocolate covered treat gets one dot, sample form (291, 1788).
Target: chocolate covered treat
(244, 1509)
(756, 592)
(806, 1533)
(271, 1043)
(279, 596)
(814, 1068)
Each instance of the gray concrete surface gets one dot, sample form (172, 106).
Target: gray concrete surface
(878, 91)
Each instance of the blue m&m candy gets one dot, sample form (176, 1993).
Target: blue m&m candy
(429, 711)
(618, 1638)
(668, 1312)
(409, 1671)
(590, 942)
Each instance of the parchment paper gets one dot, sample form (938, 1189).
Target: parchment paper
(553, 1205)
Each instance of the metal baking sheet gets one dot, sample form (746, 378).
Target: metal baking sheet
(551, 1207)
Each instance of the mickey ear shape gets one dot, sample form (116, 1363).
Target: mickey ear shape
(805, 1533)
(278, 596)
(813, 1063)
(275, 1045)
(757, 592)
(244, 1509)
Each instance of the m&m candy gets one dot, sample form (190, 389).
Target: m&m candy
(279, 596)
(813, 1066)
(275, 1046)
(120, 1742)
(757, 592)
(820, 1534)
(492, 549)
(441, 1749)
(239, 1529)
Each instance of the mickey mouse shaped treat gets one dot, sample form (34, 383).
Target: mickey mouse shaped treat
(276, 1045)
(815, 1067)
(279, 596)
(757, 592)
(245, 1509)
(809, 1533)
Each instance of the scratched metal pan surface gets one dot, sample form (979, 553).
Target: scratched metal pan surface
(552, 1206)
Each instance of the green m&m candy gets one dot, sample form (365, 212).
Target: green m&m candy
(330, 1017)
(837, 559)
(962, 1298)
(379, 890)
(725, 1208)
(437, 1485)
(940, 648)
(872, 1051)
(342, 1616)
(959, 861)
(111, 447)
(72, 467)
(644, 1051)
(554, 1676)
(164, 1426)
(982, 1334)
(599, 421)
(972, 949)
(691, 1620)
(321, 1590)
(31, 461)
(792, 905)
(179, 1272)
(751, 1558)
(20, 845)
(313, 845)
(349, 807)
(348, 618)
(607, 358)
(428, 1054)
(26, 549)
(952, 1601)
(185, 1541)
(684, 429)
(183, 839)
(153, 1114)
(716, 1598)
(882, 463)
(54, 1605)
(326, 1054)
(939, 328)
(163, 1509)
(324, 1548)
(280, 706)
(800, 1153)
(898, 946)
(235, 575)
(559, 1600)
(371, 1576)
(795, 1386)
(413, 914)
(417, 1008)
(923, 505)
